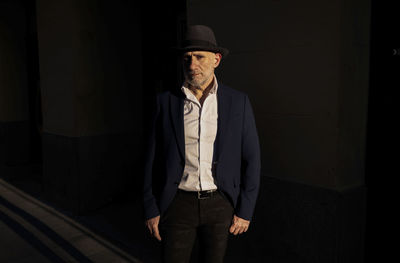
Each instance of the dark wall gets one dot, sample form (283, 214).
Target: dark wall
(14, 114)
(91, 85)
(382, 143)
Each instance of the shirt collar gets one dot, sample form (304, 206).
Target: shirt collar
(213, 90)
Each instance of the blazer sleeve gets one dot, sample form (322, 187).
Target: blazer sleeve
(149, 201)
(251, 165)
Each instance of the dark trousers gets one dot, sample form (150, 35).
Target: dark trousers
(188, 218)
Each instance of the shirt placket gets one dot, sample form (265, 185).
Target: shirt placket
(192, 99)
(199, 139)
(202, 131)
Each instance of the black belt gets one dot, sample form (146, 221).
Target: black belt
(201, 194)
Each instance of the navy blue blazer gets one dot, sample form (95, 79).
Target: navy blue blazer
(236, 158)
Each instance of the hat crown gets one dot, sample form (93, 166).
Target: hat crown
(200, 38)
(200, 33)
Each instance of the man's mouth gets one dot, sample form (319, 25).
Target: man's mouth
(195, 74)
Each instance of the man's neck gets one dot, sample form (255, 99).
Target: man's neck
(199, 90)
(201, 93)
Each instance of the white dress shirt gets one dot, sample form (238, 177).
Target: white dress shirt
(200, 125)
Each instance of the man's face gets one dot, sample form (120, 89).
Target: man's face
(198, 66)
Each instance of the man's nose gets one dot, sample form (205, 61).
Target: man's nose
(193, 64)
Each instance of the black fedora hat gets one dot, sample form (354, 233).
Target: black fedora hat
(200, 38)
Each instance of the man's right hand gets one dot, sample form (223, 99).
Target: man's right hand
(152, 225)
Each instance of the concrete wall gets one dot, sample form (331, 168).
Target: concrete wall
(13, 75)
(90, 63)
(14, 118)
(304, 65)
(91, 81)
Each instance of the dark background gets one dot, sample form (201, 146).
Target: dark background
(71, 132)
(382, 163)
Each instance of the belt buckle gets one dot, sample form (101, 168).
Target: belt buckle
(199, 195)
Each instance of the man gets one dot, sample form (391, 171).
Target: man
(202, 167)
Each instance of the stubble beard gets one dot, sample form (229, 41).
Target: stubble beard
(197, 84)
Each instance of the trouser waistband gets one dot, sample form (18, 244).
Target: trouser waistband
(200, 194)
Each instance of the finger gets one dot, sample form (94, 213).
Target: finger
(237, 229)
(156, 232)
(241, 229)
(150, 229)
(232, 228)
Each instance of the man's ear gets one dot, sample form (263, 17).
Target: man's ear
(217, 60)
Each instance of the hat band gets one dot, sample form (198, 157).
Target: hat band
(197, 42)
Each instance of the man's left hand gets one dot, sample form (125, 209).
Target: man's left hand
(239, 225)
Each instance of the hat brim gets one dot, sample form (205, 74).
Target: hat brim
(223, 51)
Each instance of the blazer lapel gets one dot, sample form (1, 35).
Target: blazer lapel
(224, 109)
(176, 112)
